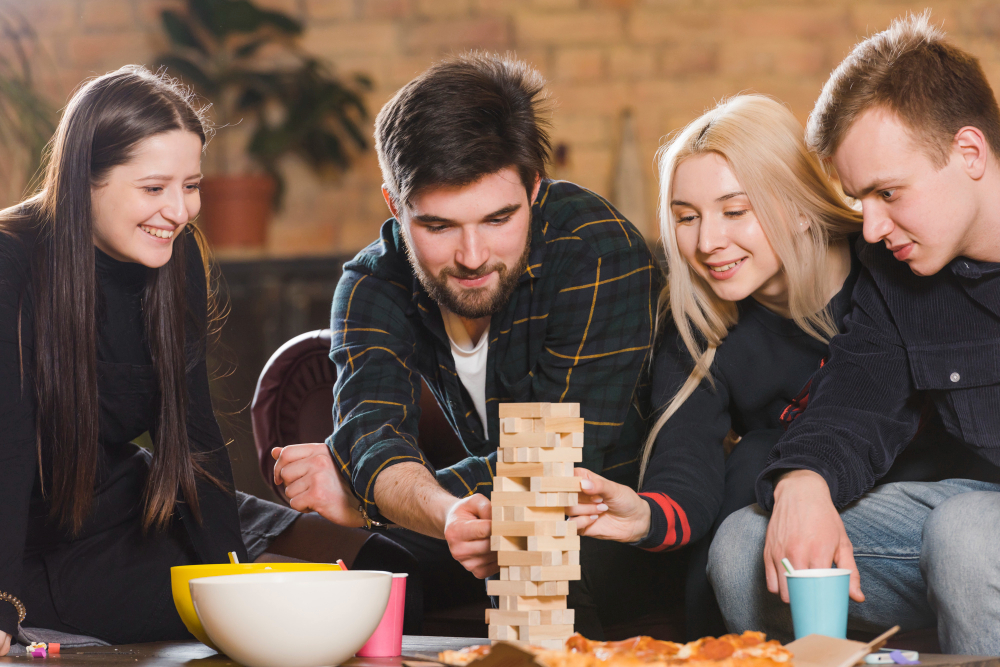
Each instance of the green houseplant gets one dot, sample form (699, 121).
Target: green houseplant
(270, 99)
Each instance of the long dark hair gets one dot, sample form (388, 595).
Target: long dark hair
(100, 129)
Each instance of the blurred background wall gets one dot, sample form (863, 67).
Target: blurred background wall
(623, 74)
(662, 60)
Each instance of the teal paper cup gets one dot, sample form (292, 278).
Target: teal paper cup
(819, 601)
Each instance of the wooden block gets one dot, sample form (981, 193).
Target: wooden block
(521, 469)
(527, 410)
(522, 602)
(552, 644)
(564, 410)
(504, 574)
(517, 573)
(525, 588)
(571, 440)
(518, 513)
(562, 424)
(572, 557)
(509, 543)
(511, 483)
(524, 499)
(573, 454)
(536, 633)
(555, 484)
(549, 543)
(539, 455)
(519, 618)
(543, 439)
(547, 469)
(530, 557)
(503, 633)
(537, 513)
(526, 528)
(553, 587)
(554, 573)
(555, 617)
(516, 425)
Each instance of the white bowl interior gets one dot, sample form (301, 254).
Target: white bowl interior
(291, 619)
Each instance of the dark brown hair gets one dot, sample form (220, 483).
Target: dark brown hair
(462, 119)
(935, 88)
(101, 128)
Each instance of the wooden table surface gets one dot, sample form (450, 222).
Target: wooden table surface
(195, 654)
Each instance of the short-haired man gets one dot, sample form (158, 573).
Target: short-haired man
(913, 130)
(491, 283)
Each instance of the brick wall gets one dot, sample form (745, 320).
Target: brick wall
(665, 60)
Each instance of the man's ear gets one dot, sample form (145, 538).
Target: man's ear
(972, 147)
(534, 191)
(390, 201)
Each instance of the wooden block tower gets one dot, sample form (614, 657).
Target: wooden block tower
(537, 547)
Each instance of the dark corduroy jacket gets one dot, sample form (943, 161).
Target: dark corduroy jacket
(909, 341)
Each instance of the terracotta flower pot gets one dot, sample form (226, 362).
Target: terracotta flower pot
(236, 210)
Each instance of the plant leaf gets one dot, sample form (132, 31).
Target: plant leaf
(180, 32)
(282, 22)
(239, 16)
(250, 48)
(189, 73)
(206, 12)
(250, 99)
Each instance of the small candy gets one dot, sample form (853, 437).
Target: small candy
(37, 650)
(53, 648)
(900, 659)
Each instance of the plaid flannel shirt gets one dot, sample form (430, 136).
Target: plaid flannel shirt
(578, 328)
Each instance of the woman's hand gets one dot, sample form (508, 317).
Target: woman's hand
(609, 511)
(4, 643)
(313, 484)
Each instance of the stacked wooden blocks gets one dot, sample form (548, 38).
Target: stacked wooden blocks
(537, 547)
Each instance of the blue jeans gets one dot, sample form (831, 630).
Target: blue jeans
(928, 553)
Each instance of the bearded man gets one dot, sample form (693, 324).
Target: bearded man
(493, 284)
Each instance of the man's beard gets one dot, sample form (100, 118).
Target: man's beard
(473, 304)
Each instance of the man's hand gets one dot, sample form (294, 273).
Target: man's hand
(609, 511)
(806, 528)
(4, 643)
(467, 530)
(313, 483)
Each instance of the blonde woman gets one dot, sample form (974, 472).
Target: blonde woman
(758, 248)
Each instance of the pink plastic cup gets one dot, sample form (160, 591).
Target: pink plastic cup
(387, 640)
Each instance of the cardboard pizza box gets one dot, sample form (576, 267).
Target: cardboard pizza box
(821, 651)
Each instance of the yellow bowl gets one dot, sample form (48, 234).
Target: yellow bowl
(182, 574)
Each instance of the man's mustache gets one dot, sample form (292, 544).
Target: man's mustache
(467, 274)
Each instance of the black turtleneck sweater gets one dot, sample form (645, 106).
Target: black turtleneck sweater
(111, 580)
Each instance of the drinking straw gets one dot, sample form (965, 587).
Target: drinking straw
(788, 566)
(233, 559)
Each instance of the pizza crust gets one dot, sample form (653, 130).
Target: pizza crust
(751, 649)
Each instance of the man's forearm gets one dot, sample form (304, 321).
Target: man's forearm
(409, 496)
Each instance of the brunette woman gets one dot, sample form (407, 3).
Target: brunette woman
(103, 316)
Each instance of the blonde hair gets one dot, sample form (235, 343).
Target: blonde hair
(764, 145)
